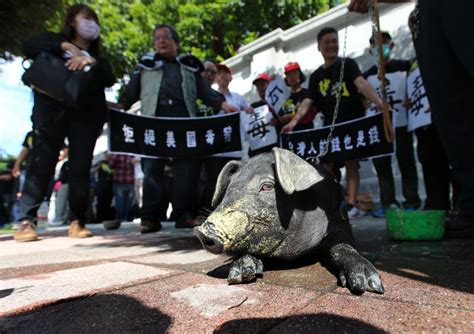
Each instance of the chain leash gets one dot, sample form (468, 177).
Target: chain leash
(325, 151)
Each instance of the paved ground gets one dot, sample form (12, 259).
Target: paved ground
(121, 281)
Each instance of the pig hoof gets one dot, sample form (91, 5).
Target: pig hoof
(361, 279)
(356, 272)
(245, 269)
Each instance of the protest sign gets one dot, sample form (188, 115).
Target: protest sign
(258, 130)
(396, 92)
(419, 113)
(173, 136)
(277, 93)
(357, 139)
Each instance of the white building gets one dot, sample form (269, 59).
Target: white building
(272, 51)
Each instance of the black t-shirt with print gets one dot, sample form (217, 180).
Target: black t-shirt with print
(28, 141)
(323, 88)
(291, 107)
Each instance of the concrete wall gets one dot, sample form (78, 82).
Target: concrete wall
(271, 52)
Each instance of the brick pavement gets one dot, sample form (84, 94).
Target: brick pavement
(121, 281)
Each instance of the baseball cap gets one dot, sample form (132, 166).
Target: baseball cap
(291, 67)
(222, 67)
(261, 76)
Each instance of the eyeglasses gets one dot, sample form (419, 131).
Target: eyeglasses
(210, 71)
(162, 37)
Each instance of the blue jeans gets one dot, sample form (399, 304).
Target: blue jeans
(123, 197)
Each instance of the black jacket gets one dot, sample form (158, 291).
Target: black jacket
(101, 70)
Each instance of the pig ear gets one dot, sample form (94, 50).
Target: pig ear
(223, 181)
(293, 173)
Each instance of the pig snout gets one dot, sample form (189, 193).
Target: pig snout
(209, 240)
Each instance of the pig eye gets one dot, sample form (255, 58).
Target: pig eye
(267, 186)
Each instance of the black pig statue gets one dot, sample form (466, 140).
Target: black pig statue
(277, 205)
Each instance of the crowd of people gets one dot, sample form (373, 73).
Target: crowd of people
(172, 85)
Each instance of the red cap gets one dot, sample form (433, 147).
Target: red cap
(222, 67)
(261, 76)
(291, 67)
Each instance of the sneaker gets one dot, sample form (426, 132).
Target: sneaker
(379, 213)
(77, 230)
(26, 232)
(147, 226)
(354, 212)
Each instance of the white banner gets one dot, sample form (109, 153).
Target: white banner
(258, 130)
(396, 93)
(277, 93)
(419, 113)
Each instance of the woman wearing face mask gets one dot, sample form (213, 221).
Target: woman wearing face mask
(79, 44)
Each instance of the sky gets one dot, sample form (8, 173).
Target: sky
(16, 101)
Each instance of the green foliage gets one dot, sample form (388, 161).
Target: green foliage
(20, 19)
(208, 29)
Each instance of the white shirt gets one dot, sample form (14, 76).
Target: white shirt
(236, 100)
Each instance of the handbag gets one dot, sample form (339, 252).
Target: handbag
(49, 75)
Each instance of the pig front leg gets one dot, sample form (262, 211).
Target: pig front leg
(354, 271)
(245, 269)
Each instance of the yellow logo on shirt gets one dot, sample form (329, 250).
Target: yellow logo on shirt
(324, 86)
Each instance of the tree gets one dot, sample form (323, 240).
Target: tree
(209, 29)
(20, 19)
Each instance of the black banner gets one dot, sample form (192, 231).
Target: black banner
(357, 139)
(173, 137)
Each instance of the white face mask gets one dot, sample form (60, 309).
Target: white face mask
(88, 29)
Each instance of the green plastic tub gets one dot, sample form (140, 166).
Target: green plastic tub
(416, 225)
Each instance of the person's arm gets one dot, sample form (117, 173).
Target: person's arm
(245, 106)
(368, 91)
(302, 110)
(5, 177)
(44, 41)
(362, 6)
(132, 92)
(212, 98)
(56, 44)
(21, 157)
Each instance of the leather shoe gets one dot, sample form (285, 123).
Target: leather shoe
(187, 223)
(147, 226)
(26, 232)
(78, 230)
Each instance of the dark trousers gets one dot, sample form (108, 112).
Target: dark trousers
(436, 174)
(212, 167)
(104, 193)
(406, 162)
(52, 123)
(184, 191)
(445, 54)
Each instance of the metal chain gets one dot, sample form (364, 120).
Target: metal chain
(338, 97)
